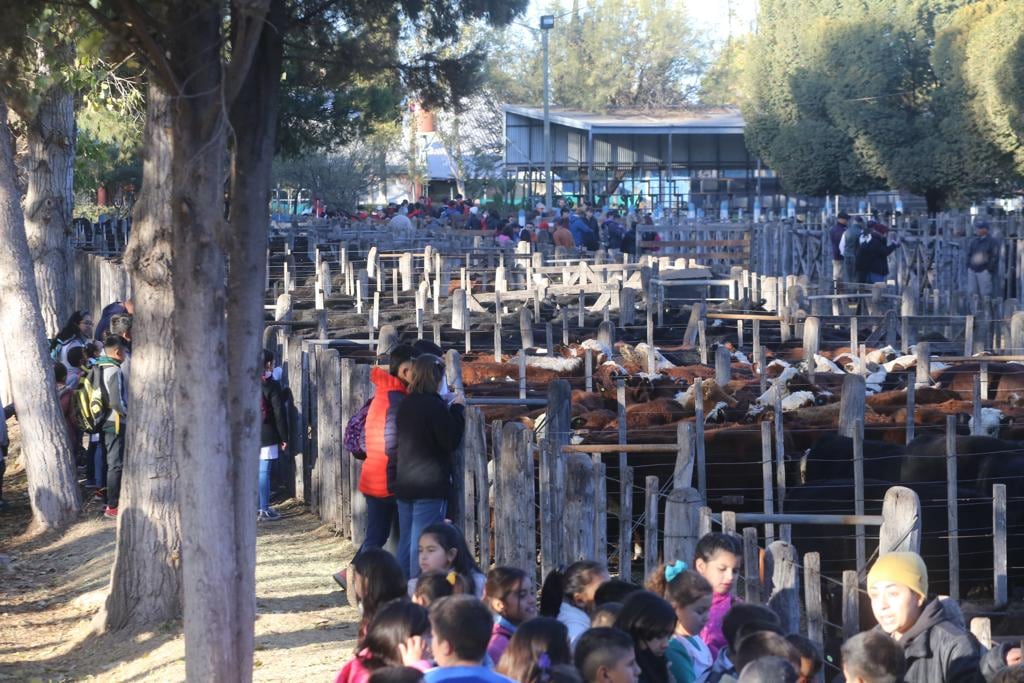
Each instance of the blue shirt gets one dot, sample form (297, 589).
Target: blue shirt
(464, 674)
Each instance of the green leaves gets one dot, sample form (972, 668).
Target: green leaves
(878, 94)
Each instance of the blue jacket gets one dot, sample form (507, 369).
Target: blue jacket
(578, 227)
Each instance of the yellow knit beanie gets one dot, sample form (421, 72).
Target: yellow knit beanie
(906, 569)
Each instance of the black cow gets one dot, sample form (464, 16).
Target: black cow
(831, 457)
(926, 457)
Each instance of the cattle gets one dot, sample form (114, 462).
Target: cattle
(832, 458)
(926, 459)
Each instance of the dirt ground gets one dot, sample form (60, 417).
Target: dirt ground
(52, 586)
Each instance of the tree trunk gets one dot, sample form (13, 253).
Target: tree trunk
(216, 490)
(49, 463)
(49, 202)
(145, 583)
(254, 121)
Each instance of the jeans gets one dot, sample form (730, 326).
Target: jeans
(96, 463)
(979, 283)
(380, 515)
(413, 517)
(265, 466)
(113, 447)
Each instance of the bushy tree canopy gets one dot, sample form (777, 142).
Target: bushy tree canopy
(846, 97)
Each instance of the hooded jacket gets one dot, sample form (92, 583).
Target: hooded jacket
(381, 432)
(940, 650)
(429, 431)
(274, 427)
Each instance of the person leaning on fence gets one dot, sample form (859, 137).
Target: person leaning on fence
(836, 236)
(273, 434)
(937, 647)
(982, 262)
(419, 474)
(873, 252)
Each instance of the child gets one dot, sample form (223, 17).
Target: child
(460, 631)
(606, 655)
(569, 595)
(397, 674)
(605, 614)
(689, 593)
(395, 637)
(442, 549)
(650, 621)
(510, 595)
(614, 590)
(873, 657)
(811, 660)
(377, 579)
(718, 559)
(435, 585)
(741, 621)
(537, 646)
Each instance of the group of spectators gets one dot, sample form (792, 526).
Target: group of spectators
(580, 227)
(101, 353)
(860, 254)
(452, 622)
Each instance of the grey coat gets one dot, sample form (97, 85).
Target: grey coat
(940, 650)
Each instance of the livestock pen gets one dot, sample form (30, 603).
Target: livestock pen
(625, 406)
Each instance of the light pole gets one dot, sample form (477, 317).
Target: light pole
(546, 23)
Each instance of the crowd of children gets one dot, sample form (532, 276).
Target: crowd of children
(451, 623)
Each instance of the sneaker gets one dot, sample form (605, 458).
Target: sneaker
(268, 515)
(110, 512)
(100, 494)
(341, 578)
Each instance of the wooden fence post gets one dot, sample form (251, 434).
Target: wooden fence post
(526, 328)
(851, 404)
(812, 328)
(651, 554)
(851, 604)
(329, 417)
(578, 518)
(297, 382)
(922, 356)
(785, 595)
(858, 489)
(1017, 332)
(682, 524)
(723, 366)
(600, 511)
(751, 566)
(515, 521)
(999, 565)
(812, 598)
(768, 485)
(952, 507)
(901, 521)
(359, 389)
(682, 476)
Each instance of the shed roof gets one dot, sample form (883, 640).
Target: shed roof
(682, 120)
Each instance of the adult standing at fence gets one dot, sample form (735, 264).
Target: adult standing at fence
(420, 472)
(273, 434)
(836, 235)
(873, 251)
(937, 647)
(982, 262)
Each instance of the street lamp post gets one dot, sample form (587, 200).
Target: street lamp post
(546, 23)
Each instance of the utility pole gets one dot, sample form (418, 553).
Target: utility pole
(546, 23)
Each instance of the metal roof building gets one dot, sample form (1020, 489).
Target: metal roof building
(678, 159)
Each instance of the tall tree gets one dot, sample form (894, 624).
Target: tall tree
(38, 88)
(217, 73)
(849, 97)
(49, 463)
(611, 53)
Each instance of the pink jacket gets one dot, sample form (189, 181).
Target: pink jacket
(355, 670)
(712, 633)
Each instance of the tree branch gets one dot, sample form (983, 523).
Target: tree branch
(139, 23)
(252, 15)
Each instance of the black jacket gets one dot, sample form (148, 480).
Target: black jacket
(873, 256)
(274, 426)
(429, 431)
(940, 650)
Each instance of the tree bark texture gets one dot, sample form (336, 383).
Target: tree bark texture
(145, 583)
(49, 202)
(253, 119)
(216, 489)
(49, 463)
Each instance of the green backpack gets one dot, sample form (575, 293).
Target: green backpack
(92, 404)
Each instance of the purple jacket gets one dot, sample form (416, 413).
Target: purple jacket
(501, 633)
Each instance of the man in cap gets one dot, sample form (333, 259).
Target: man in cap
(836, 235)
(982, 262)
(937, 647)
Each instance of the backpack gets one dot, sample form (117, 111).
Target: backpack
(91, 402)
(57, 348)
(354, 440)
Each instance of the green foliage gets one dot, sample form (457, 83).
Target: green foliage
(847, 97)
(613, 53)
(722, 83)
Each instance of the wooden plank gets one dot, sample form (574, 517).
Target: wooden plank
(901, 521)
(812, 598)
(515, 522)
(999, 564)
(651, 553)
(851, 605)
(751, 566)
(785, 583)
(682, 524)
(952, 505)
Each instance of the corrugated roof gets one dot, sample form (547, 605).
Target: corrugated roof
(693, 119)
